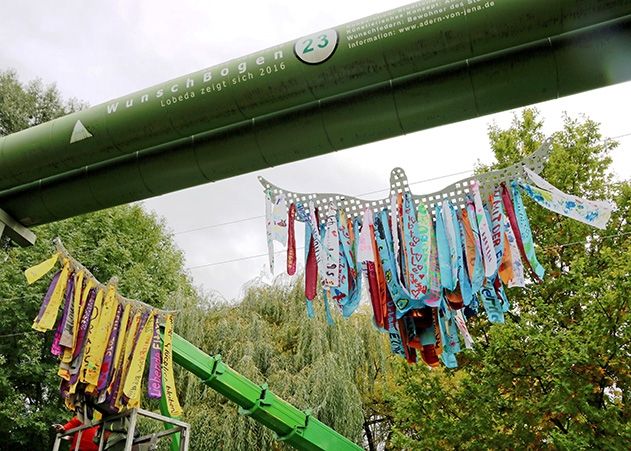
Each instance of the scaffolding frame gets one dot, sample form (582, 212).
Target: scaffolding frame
(173, 427)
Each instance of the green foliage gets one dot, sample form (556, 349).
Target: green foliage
(332, 370)
(556, 375)
(26, 105)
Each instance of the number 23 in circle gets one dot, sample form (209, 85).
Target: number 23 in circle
(316, 48)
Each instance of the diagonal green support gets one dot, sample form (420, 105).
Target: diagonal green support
(291, 425)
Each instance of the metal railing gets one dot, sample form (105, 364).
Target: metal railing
(130, 440)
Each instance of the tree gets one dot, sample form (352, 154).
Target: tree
(334, 370)
(556, 375)
(26, 105)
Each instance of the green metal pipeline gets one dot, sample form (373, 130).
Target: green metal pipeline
(418, 66)
(291, 425)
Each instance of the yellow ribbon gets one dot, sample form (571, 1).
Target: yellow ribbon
(88, 355)
(47, 321)
(124, 364)
(100, 337)
(168, 380)
(133, 381)
(36, 272)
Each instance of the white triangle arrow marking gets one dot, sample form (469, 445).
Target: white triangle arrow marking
(79, 133)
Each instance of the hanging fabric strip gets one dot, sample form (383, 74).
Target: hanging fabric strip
(55, 348)
(355, 275)
(415, 245)
(38, 271)
(125, 323)
(464, 330)
(492, 304)
(486, 237)
(131, 346)
(331, 263)
(487, 213)
(435, 289)
(311, 267)
(444, 256)
(501, 294)
(463, 275)
(402, 301)
(268, 229)
(88, 355)
(70, 328)
(394, 239)
(365, 252)
(509, 209)
(526, 233)
(291, 240)
(84, 325)
(133, 381)
(48, 296)
(312, 237)
(168, 381)
(342, 291)
(424, 225)
(497, 223)
(381, 276)
(49, 315)
(108, 357)
(97, 341)
(116, 390)
(373, 289)
(279, 220)
(595, 213)
(155, 363)
(453, 234)
(475, 268)
(396, 344)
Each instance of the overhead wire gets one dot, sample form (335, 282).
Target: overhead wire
(251, 218)
(237, 221)
(251, 257)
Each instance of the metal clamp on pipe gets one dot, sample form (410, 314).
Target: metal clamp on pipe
(260, 402)
(215, 372)
(298, 429)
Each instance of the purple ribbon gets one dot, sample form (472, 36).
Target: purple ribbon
(106, 365)
(55, 348)
(77, 355)
(49, 293)
(155, 364)
(143, 320)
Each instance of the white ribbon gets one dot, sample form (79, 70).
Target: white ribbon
(595, 213)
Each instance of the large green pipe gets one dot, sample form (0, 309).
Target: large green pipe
(455, 60)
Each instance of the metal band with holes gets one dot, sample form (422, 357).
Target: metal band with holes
(455, 193)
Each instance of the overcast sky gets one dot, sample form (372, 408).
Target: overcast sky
(97, 51)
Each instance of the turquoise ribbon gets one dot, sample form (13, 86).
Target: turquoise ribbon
(492, 305)
(444, 256)
(463, 276)
(402, 302)
(526, 232)
(415, 250)
(477, 278)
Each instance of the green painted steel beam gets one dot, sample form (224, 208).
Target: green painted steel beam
(291, 425)
(419, 66)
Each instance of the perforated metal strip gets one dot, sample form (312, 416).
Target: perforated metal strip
(455, 193)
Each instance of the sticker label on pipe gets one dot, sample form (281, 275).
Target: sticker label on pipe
(316, 48)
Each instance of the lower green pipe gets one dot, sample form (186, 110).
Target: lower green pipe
(290, 424)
